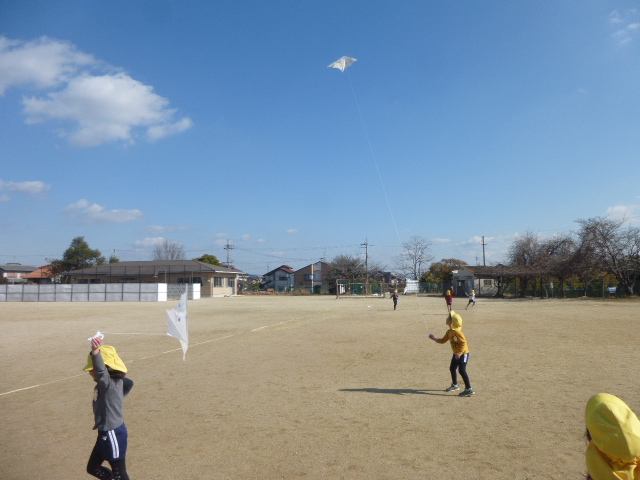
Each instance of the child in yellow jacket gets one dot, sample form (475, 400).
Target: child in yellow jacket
(460, 353)
(613, 431)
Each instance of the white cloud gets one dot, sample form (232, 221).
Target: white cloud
(94, 103)
(41, 63)
(94, 213)
(627, 26)
(149, 242)
(31, 188)
(245, 237)
(160, 131)
(166, 229)
(292, 230)
(627, 212)
(261, 240)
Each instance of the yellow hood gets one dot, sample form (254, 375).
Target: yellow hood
(614, 450)
(110, 357)
(456, 320)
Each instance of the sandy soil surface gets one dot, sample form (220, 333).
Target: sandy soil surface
(318, 388)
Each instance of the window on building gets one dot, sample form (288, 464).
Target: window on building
(232, 282)
(218, 281)
(488, 283)
(308, 276)
(283, 278)
(190, 280)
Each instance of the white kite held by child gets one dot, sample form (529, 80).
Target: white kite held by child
(98, 335)
(178, 323)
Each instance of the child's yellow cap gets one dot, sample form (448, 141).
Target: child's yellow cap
(110, 357)
(456, 320)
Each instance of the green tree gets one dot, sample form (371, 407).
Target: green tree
(78, 255)
(113, 259)
(211, 259)
(440, 272)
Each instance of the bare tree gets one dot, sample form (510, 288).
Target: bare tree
(618, 247)
(414, 257)
(524, 259)
(168, 251)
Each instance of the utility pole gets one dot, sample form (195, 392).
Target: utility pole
(366, 262)
(484, 262)
(228, 247)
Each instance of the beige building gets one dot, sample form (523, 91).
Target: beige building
(214, 280)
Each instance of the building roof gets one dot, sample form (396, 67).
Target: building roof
(17, 268)
(284, 268)
(42, 272)
(154, 267)
(488, 271)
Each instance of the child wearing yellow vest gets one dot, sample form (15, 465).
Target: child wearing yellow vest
(460, 353)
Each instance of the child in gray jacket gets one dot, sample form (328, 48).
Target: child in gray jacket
(108, 371)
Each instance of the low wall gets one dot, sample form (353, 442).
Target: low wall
(95, 292)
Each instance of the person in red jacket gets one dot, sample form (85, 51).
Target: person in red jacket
(449, 299)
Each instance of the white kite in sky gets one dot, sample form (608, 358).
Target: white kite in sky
(343, 63)
(178, 323)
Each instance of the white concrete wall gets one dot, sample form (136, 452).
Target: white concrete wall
(94, 292)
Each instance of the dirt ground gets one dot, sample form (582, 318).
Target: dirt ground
(318, 388)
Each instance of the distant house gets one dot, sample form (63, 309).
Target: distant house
(315, 277)
(15, 272)
(483, 279)
(214, 280)
(42, 275)
(280, 279)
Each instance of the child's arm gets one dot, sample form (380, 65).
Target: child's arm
(439, 340)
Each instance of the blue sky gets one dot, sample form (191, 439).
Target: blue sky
(197, 122)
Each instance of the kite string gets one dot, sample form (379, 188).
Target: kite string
(384, 190)
(373, 156)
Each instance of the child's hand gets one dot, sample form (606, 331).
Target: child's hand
(431, 336)
(96, 343)
(458, 356)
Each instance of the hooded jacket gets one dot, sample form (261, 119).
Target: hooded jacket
(614, 450)
(455, 336)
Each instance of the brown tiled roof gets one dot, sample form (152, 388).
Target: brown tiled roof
(42, 272)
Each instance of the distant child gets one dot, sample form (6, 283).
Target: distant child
(394, 297)
(460, 353)
(449, 299)
(108, 371)
(472, 299)
(613, 431)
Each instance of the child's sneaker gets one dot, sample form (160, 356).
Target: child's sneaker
(467, 393)
(452, 388)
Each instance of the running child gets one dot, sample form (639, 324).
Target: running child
(460, 357)
(394, 297)
(472, 299)
(108, 371)
(449, 299)
(613, 431)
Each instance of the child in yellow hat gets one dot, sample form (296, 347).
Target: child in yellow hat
(613, 431)
(460, 357)
(472, 299)
(394, 297)
(109, 372)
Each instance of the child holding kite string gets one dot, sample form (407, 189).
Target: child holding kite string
(109, 372)
(460, 353)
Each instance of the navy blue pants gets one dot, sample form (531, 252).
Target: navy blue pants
(111, 446)
(460, 365)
